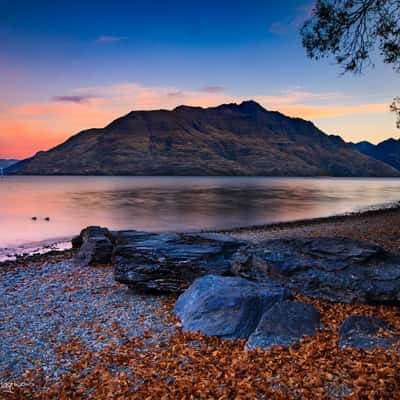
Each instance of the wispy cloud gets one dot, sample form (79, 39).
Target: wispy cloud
(299, 96)
(292, 22)
(177, 94)
(213, 89)
(73, 99)
(110, 39)
(333, 110)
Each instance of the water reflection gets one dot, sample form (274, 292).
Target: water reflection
(180, 203)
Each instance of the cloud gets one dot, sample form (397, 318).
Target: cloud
(110, 39)
(315, 111)
(136, 96)
(29, 127)
(72, 99)
(178, 94)
(213, 89)
(298, 95)
(294, 21)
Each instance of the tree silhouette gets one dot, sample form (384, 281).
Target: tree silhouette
(395, 107)
(353, 32)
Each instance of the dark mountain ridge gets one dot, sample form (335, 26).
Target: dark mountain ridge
(230, 139)
(387, 151)
(5, 163)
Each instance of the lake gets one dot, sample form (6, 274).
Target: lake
(173, 203)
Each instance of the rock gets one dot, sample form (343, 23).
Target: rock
(88, 232)
(284, 324)
(227, 307)
(334, 269)
(211, 237)
(96, 250)
(168, 262)
(366, 333)
(95, 246)
(76, 242)
(92, 231)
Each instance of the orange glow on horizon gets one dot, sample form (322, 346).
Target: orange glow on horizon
(28, 128)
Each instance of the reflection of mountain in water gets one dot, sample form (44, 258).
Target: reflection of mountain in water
(173, 203)
(199, 207)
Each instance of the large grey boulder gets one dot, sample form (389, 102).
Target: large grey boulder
(227, 307)
(94, 246)
(170, 262)
(366, 333)
(284, 324)
(334, 269)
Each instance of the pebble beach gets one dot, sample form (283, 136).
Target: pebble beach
(69, 331)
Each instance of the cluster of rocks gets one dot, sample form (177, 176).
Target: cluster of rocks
(333, 269)
(231, 289)
(233, 307)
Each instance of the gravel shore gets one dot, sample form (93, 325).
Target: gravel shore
(48, 303)
(70, 323)
(379, 226)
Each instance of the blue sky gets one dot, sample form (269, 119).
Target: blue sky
(66, 66)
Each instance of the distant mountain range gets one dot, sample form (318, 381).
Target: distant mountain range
(4, 163)
(231, 139)
(387, 151)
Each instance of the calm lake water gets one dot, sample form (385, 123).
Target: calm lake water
(173, 203)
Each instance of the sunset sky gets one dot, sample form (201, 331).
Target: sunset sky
(70, 65)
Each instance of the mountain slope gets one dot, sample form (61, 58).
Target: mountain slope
(5, 163)
(229, 139)
(13, 168)
(387, 151)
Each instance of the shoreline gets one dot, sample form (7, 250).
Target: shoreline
(42, 247)
(62, 245)
(381, 227)
(371, 211)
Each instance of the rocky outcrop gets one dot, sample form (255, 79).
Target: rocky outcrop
(239, 291)
(367, 333)
(284, 324)
(227, 307)
(95, 246)
(233, 308)
(334, 269)
(170, 262)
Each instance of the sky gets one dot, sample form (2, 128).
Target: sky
(66, 66)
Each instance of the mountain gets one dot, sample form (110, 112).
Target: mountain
(387, 151)
(5, 163)
(14, 167)
(231, 139)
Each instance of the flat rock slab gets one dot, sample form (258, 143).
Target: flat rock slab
(170, 262)
(284, 324)
(334, 269)
(367, 333)
(227, 307)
